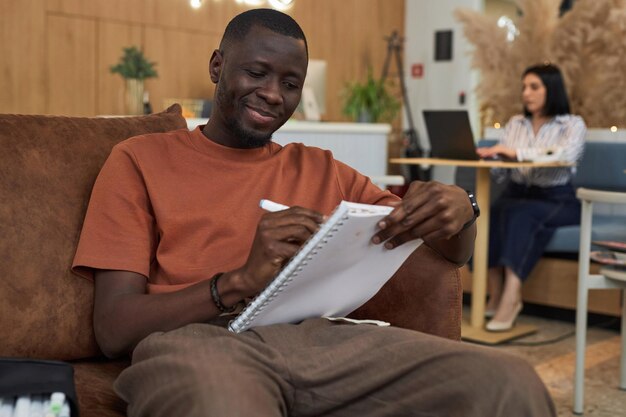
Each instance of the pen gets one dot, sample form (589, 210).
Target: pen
(271, 206)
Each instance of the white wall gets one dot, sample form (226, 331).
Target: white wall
(442, 81)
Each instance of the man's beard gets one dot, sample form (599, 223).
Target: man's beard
(248, 139)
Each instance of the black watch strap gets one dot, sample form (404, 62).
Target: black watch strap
(475, 207)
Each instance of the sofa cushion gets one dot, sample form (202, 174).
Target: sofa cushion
(604, 227)
(47, 168)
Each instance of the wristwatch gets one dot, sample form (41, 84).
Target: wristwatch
(475, 207)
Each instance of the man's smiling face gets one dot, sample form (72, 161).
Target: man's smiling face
(259, 84)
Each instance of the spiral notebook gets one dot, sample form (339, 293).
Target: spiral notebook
(336, 271)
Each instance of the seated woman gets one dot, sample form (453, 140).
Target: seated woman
(537, 200)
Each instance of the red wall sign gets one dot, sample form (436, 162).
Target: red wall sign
(417, 70)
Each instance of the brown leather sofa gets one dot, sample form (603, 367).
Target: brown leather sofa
(47, 167)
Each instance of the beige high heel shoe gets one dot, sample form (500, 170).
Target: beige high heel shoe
(503, 326)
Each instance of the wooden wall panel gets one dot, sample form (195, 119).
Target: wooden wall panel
(183, 64)
(71, 63)
(22, 46)
(164, 13)
(349, 35)
(70, 6)
(44, 55)
(167, 13)
(121, 10)
(211, 17)
(215, 15)
(112, 37)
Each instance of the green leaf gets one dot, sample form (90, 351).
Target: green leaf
(133, 64)
(371, 97)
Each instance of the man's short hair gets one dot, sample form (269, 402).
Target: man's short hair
(276, 21)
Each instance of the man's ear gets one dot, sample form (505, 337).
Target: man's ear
(215, 65)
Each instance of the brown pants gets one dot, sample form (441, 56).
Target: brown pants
(319, 368)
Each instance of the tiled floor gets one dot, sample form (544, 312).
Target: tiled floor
(555, 365)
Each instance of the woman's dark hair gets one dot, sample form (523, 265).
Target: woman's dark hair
(276, 21)
(556, 95)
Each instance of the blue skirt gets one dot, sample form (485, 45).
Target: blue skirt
(524, 219)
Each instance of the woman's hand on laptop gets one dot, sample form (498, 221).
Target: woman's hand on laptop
(495, 151)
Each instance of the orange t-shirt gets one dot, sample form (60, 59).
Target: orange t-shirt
(178, 208)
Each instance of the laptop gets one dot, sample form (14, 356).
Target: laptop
(450, 134)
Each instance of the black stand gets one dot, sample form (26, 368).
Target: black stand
(412, 147)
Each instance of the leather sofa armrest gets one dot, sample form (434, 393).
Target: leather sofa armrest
(425, 294)
(94, 380)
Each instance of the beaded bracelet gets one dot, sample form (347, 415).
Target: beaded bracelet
(216, 296)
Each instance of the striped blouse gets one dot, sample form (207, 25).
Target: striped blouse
(564, 134)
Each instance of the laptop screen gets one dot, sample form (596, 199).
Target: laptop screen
(450, 134)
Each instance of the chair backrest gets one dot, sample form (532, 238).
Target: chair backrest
(602, 167)
(48, 165)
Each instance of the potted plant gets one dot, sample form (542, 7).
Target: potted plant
(369, 102)
(134, 68)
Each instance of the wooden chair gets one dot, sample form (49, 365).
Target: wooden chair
(608, 278)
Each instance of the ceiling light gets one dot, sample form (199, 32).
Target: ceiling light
(280, 4)
(251, 2)
(195, 3)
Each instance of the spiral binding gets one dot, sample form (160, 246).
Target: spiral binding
(306, 254)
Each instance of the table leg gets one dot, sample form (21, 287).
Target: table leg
(475, 331)
(481, 248)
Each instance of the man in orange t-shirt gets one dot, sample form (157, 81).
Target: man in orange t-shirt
(174, 237)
